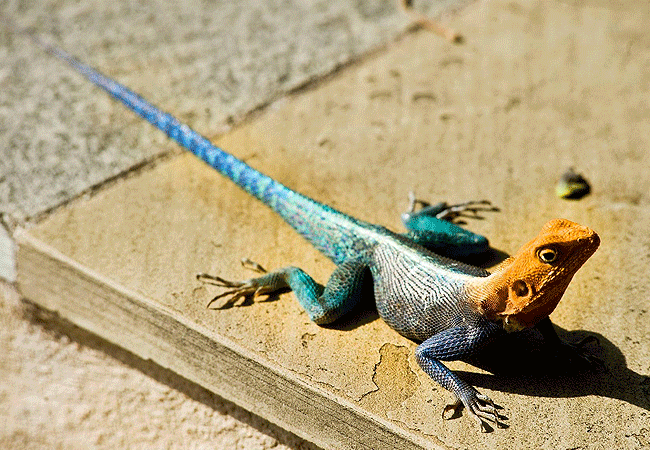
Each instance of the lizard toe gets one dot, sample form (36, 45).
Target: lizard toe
(580, 358)
(252, 265)
(485, 410)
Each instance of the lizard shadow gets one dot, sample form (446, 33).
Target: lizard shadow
(489, 258)
(539, 370)
(248, 300)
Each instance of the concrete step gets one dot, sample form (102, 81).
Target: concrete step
(536, 88)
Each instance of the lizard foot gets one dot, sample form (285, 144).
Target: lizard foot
(482, 408)
(578, 356)
(451, 213)
(252, 287)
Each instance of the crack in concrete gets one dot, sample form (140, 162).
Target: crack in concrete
(395, 380)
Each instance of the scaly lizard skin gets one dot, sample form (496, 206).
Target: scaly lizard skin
(453, 308)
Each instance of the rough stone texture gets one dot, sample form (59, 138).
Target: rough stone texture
(209, 62)
(538, 86)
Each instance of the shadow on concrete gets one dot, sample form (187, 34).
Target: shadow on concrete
(487, 259)
(524, 363)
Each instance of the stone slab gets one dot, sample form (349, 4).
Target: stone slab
(537, 88)
(211, 63)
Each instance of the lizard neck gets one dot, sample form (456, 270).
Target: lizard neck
(489, 296)
(515, 303)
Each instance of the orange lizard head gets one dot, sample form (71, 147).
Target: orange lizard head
(527, 287)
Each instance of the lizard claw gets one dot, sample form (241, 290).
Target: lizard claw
(444, 211)
(482, 408)
(452, 212)
(578, 355)
(252, 265)
(240, 289)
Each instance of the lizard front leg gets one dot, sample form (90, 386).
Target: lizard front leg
(453, 344)
(323, 304)
(575, 354)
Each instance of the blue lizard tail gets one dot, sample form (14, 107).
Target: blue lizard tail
(330, 231)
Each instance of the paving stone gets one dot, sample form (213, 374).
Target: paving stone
(537, 87)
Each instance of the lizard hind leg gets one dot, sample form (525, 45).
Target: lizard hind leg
(323, 304)
(433, 227)
(444, 211)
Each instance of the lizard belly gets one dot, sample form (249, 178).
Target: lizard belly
(415, 298)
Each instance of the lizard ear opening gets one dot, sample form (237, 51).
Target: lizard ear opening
(520, 288)
(519, 295)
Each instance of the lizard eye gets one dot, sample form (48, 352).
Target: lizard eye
(547, 255)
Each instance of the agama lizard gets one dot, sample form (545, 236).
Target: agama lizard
(454, 309)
